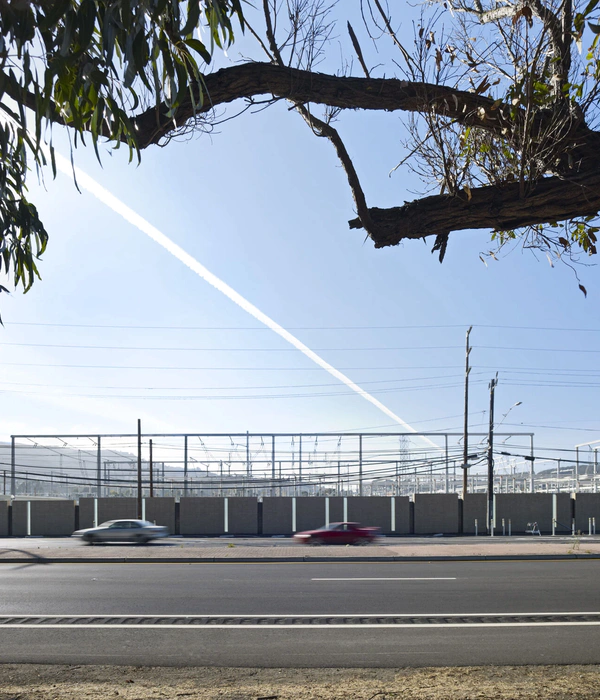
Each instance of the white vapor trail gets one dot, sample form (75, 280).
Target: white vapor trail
(94, 188)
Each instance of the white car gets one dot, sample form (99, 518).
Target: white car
(140, 531)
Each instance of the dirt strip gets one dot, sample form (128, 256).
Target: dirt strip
(32, 550)
(39, 682)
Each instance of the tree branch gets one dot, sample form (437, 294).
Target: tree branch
(497, 208)
(389, 94)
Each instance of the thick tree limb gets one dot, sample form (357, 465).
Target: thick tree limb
(253, 79)
(498, 208)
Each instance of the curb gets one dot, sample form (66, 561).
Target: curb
(288, 560)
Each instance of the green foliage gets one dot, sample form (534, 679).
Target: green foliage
(88, 64)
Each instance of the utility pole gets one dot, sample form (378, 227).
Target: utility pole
(139, 471)
(466, 417)
(151, 472)
(490, 457)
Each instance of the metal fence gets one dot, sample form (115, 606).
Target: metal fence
(275, 464)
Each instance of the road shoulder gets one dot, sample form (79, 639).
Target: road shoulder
(44, 682)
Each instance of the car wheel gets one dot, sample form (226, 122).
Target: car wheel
(362, 541)
(141, 539)
(317, 541)
(90, 540)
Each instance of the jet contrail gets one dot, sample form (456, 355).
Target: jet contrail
(94, 188)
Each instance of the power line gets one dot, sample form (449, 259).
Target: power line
(228, 397)
(179, 348)
(215, 388)
(300, 328)
(212, 369)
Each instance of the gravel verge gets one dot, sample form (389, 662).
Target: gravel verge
(40, 682)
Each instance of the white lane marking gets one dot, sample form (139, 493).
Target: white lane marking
(279, 615)
(306, 627)
(389, 578)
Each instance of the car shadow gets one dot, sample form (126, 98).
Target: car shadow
(30, 561)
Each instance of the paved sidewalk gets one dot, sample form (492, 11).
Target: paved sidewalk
(68, 550)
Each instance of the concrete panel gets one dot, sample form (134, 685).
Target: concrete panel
(86, 513)
(523, 508)
(376, 511)
(108, 509)
(310, 513)
(277, 515)
(587, 505)
(242, 514)
(3, 518)
(436, 513)
(52, 518)
(161, 510)
(475, 508)
(19, 518)
(201, 515)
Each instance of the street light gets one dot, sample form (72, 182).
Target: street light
(490, 460)
(509, 410)
(504, 417)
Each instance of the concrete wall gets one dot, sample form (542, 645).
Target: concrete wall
(242, 516)
(277, 515)
(523, 508)
(587, 505)
(310, 513)
(436, 513)
(108, 509)
(376, 511)
(201, 515)
(475, 507)
(3, 518)
(162, 511)
(433, 513)
(51, 518)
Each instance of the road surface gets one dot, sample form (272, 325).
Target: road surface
(302, 614)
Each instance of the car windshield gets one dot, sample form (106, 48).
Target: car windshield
(108, 523)
(331, 526)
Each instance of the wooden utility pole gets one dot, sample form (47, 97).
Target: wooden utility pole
(490, 458)
(466, 417)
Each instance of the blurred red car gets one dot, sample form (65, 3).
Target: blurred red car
(338, 533)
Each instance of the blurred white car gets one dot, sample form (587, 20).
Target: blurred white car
(140, 531)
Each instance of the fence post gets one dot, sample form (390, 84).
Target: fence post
(99, 469)
(360, 466)
(476, 527)
(13, 467)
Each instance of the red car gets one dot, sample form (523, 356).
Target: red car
(338, 533)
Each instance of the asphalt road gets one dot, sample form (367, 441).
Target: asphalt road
(475, 604)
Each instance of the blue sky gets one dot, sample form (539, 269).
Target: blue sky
(264, 205)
